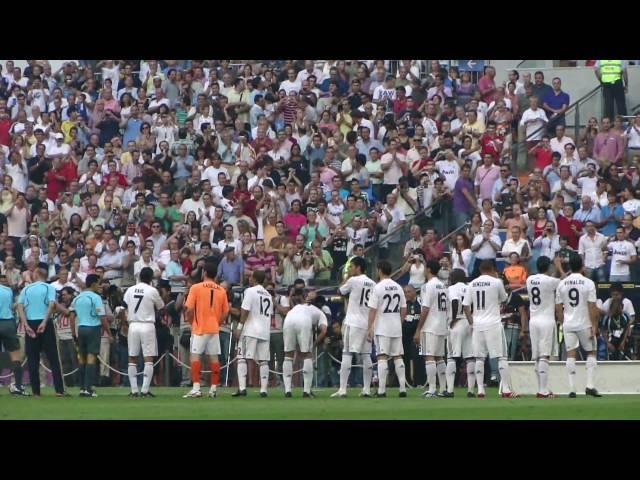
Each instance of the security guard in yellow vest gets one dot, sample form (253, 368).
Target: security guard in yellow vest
(611, 74)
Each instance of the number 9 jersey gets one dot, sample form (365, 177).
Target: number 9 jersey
(259, 303)
(575, 293)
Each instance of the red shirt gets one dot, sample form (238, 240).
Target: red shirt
(485, 83)
(489, 145)
(122, 180)
(543, 157)
(564, 228)
(5, 138)
(398, 106)
(56, 186)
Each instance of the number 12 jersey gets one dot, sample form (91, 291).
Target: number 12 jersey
(259, 303)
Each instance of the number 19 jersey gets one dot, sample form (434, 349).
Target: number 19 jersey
(359, 290)
(574, 293)
(485, 294)
(541, 289)
(434, 296)
(259, 303)
(387, 298)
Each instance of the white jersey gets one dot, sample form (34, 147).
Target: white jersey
(359, 290)
(541, 289)
(387, 298)
(485, 294)
(434, 296)
(142, 302)
(627, 307)
(621, 250)
(575, 293)
(457, 292)
(307, 316)
(259, 303)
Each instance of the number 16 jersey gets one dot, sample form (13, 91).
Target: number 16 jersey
(387, 298)
(434, 297)
(542, 293)
(485, 294)
(359, 290)
(575, 293)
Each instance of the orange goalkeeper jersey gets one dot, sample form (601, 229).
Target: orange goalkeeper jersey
(209, 303)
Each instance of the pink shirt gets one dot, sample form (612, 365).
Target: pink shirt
(294, 221)
(485, 83)
(327, 176)
(485, 178)
(608, 145)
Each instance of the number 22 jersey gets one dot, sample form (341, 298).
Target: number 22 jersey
(387, 298)
(259, 303)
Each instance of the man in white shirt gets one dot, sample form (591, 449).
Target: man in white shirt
(576, 306)
(485, 294)
(307, 71)
(394, 165)
(485, 245)
(533, 120)
(431, 332)
(566, 186)
(558, 142)
(291, 84)
(518, 245)
(592, 247)
(623, 254)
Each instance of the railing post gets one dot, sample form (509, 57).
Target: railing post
(577, 124)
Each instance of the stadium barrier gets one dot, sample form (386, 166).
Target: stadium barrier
(611, 377)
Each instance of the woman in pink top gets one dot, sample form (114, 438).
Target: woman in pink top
(294, 220)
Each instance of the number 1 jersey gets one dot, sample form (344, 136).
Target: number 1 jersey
(485, 294)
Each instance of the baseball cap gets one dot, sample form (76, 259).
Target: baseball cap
(59, 136)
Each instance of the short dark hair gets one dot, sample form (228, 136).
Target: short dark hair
(359, 262)
(486, 266)
(146, 275)
(91, 279)
(259, 276)
(575, 262)
(385, 267)
(543, 263)
(433, 266)
(210, 269)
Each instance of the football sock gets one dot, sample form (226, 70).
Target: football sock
(345, 370)
(382, 376)
(307, 374)
(82, 368)
(441, 368)
(367, 373)
(17, 372)
(471, 375)
(133, 377)
(400, 373)
(215, 374)
(591, 370)
(505, 374)
(195, 374)
(431, 369)
(242, 374)
(571, 371)
(147, 376)
(480, 374)
(287, 373)
(451, 374)
(543, 374)
(536, 369)
(91, 369)
(264, 376)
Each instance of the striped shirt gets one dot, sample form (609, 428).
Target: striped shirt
(257, 262)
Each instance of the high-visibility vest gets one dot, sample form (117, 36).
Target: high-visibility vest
(610, 70)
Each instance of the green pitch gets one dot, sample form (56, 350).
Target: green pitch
(113, 404)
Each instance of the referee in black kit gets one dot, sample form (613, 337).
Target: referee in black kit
(35, 307)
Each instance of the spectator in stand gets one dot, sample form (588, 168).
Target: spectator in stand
(485, 245)
(623, 255)
(592, 247)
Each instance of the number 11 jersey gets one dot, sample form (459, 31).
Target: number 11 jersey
(485, 294)
(541, 289)
(434, 297)
(359, 290)
(387, 298)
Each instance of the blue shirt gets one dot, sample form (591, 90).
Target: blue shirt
(6, 302)
(593, 215)
(35, 298)
(131, 131)
(89, 308)
(182, 164)
(609, 228)
(556, 101)
(230, 271)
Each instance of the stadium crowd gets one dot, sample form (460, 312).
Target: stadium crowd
(295, 167)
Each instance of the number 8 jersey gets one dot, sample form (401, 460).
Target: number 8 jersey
(259, 303)
(359, 290)
(541, 289)
(434, 297)
(575, 293)
(387, 298)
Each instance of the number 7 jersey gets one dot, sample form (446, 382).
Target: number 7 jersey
(575, 293)
(359, 290)
(541, 289)
(142, 302)
(259, 303)
(387, 298)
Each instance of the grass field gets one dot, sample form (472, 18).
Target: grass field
(113, 404)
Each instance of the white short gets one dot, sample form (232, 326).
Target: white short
(459, 340)
(142, 335)
(544, 341)
(581, 338)
(297, 335)
(251, 348)
(389, 346)
(432, 345)
(208, 343)
(355, 340)
(490, 342)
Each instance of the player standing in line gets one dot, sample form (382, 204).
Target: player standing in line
(387, 309)
(9, 336)
(542, 324)
(485, 294)
(358, 286)
(576, 305)
(297, 329)
(88, 313)
(432, 330)
(459, 339)
(206, 308)
(142, 301)
(254, 330)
